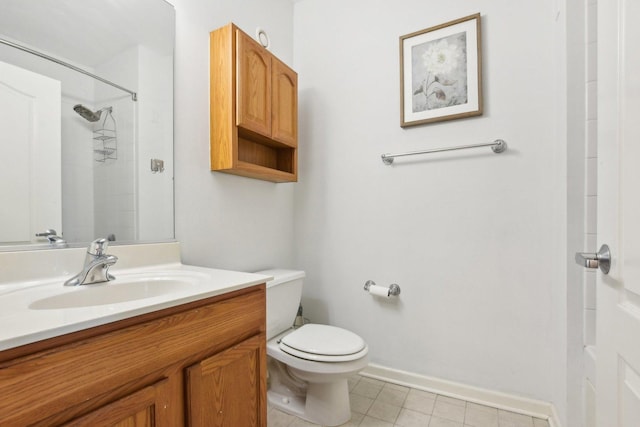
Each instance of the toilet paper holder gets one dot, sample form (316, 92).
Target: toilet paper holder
(393, 289)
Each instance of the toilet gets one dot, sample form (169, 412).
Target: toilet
(308, 367)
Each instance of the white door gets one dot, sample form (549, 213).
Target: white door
(618, 293)
(30, 178)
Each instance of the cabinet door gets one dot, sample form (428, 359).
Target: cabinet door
(284, 103)
(229, 388)
(253, 74)
(140, 409)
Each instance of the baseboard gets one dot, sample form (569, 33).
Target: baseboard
(508, 402)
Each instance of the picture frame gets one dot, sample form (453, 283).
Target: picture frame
(441, 72)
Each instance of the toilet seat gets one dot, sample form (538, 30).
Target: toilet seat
(323, 343)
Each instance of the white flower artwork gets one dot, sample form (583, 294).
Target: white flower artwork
(441, 75)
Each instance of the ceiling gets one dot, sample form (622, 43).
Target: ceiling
(87, 32)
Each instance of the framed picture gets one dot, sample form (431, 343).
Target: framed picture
(440, 73)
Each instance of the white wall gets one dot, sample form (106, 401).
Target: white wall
(222, 220)
(477, 241)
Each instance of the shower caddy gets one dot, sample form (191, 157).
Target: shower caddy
(105, 138)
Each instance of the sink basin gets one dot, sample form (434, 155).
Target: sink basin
(122, 289)
(149, 278)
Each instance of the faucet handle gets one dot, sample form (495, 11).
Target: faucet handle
(98, 247)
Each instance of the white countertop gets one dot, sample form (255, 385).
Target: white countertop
(34, 310)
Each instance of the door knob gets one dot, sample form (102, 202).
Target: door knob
(601, 259)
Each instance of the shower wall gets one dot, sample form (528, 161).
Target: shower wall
(139, 205)
(78, 220)
(115, 180)
(155, 141)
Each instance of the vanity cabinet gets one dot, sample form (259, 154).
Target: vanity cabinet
(254, 109)
(139, 409)
(216, 385)
(198, 364)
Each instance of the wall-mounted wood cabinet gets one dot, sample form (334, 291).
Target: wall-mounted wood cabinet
(254, 109)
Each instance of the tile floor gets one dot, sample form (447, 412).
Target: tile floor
(375, 403)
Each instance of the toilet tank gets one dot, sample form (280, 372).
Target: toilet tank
(283, 297)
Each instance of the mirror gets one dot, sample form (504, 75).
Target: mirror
(79, 155)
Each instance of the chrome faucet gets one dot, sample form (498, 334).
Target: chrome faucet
(96, 265)
(53, 238)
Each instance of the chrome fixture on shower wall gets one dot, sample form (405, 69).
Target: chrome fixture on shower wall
(134, 95)
(105, 136)
(87, 114)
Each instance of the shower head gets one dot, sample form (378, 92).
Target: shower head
(87, 114)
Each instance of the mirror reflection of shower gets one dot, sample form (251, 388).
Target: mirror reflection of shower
(87, 114)
(105, 135)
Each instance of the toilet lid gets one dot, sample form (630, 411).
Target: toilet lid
(324, 343)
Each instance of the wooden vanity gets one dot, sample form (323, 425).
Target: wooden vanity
(202, 363)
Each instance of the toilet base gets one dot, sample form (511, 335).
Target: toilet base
(326, 404)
